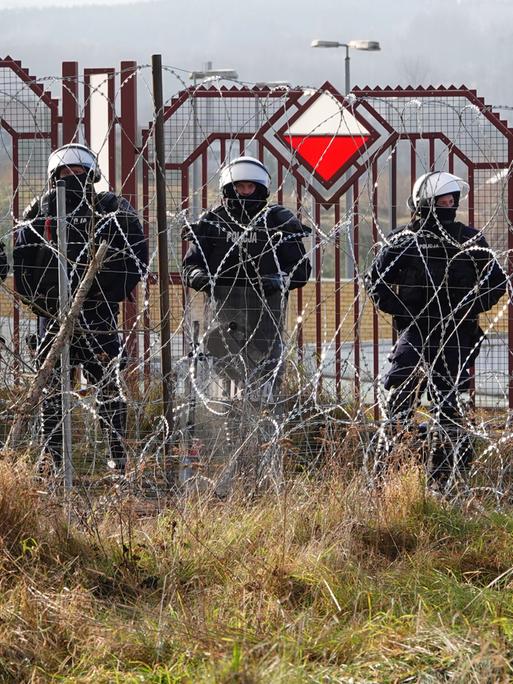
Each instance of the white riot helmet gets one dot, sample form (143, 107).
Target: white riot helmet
(244, 169)
(73, 155)
(435, 184)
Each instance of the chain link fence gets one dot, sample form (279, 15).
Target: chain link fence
(344, 167)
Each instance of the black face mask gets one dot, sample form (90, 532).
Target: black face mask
(244, 207)
(444, 215)
(75, 188)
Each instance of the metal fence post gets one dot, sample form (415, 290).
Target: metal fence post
(64, 300)
(129, 155)
(69, 101)
(163, 259)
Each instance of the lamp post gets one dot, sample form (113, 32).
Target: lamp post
(206, 74)
(369, 46)
(272, 84)
(366, 45)
(229, 74)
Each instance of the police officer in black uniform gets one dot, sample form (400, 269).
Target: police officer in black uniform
(247, 255)
(95, 345)
(435, 276)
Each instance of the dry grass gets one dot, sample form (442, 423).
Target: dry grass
(328, 582)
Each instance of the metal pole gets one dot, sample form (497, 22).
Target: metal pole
(129, 189)
(64, 302)
(348, 77)
(392, 206)
(195, 176)
(190, 458)
(196, 201)
(163, 260)
(350, 269)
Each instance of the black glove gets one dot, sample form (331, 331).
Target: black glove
(272, 283)
(199, 280)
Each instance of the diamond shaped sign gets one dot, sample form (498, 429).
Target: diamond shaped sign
(325, 135)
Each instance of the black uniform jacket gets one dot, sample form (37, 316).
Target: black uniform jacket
(232, 254)
(35, 260)
(427, 273)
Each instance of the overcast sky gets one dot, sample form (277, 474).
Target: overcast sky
(423, 42)
(41, 4)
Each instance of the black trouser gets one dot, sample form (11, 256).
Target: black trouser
(439, 363)
(99, 358)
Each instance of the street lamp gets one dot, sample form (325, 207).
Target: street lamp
(370, 46)
(367, 45)
(229, 74)
(272, 84)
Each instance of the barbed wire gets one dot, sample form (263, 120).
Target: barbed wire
(266, 382)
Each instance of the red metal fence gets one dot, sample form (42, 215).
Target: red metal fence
(346, 165)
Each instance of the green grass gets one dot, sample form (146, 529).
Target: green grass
(327, 583)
